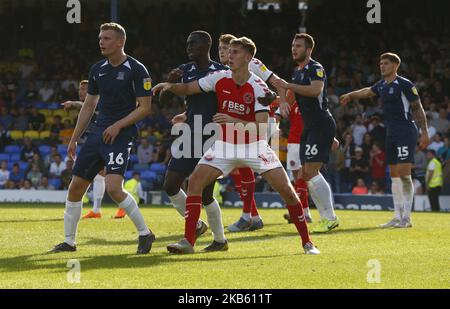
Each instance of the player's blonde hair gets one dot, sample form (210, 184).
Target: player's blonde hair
(115, 27)
(245, 43)
(226, 38)
(84, 82)
(391, 57)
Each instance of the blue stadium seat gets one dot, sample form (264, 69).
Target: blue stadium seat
(12, 149)
(158, 168)
(4, 157)
(63, 155)
(56, 182)
(54, 105)
(62, 148)
(14, 157)
(128, 175)
(45, 150)
(149, 176)
(23, 165)
(134, 159)
(41, 105)
(140, 167)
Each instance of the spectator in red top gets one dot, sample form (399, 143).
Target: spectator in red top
(360, 188)
(378, 164)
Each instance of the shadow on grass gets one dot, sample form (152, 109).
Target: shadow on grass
(31, 220)
(121, 261)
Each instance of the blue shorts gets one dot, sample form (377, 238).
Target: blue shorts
(184, 166)
(401, 145)
(95, 155)
(316, 141)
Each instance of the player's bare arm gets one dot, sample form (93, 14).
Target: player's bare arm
(143, 110)
(285, 107)
(180, 118)
(178, 88)
(174, 75)
(84, 117)
(363, 93)
(72, 104)
(313, 90)
(421, 120)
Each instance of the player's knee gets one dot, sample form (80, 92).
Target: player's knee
(115, 192)
(196, 183)
(170, 188)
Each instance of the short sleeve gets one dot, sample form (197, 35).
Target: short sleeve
(208, 83)
(92, 83)
(316, 72)
(142, 81)
(374, 88)
(259, 69)
(260, 89)
(431, 166)
(409, 90)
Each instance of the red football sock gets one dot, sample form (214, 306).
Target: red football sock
(247, 188)
(254, 209)
(237, 183)
(301, 187)
(298, 218)
(192, 214)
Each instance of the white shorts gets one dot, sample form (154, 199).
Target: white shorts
(226, 157)
(293, 157)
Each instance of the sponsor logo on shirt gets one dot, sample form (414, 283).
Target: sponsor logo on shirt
(147, 83)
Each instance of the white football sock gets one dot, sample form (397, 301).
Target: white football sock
(98, 192)
(72, 215)
(246, 216)
(179, 202)
(321, 194)
(214, 215)
(307, 212)
(397, 195)
(256, 218)
(408, 195)
(131, 208)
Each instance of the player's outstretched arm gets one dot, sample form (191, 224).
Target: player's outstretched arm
(421, 120)
(143, 110)
(363, 93)
(179, 88)
(69, 104)
(174, 75)
(313, 90)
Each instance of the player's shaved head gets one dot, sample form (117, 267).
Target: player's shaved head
(118, 29)
(203, 35)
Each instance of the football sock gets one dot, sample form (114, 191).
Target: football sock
(237, 183)
(408, 195)
(301, 187)
(397, 195)
(131, 208)
(298, 218)
(72, 215)
(214, 215)
(179, 202)
(321, 194)
(99, 191)
(193, 209)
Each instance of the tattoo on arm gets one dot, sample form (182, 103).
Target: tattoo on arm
(419, 114)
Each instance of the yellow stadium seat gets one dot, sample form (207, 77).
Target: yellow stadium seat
(46, 112)
(73, 113)
(16, 134)
(31, 134)
(49, 120)
(60, 112)
(67, 118)
(44, 134)
(144, 133)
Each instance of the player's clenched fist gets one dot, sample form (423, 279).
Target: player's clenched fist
(71, 149)
(268, 98)
(161, 87)
(174, 75)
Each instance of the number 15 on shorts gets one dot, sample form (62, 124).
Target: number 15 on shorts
(403, 152)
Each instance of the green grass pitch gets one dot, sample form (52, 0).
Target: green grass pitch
(270, 258)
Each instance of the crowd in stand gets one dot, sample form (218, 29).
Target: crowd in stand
(36, 78)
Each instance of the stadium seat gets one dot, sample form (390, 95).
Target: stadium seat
(44, 150)
(128, 174)
(46, 112)
(158, 168)
(23, 165)
(73, 113)
(64, 154)
(41, 105)
(12, 149)
(31, 134)
(14, 157)
(16, 134)
(133, 159)
(48, 120)
(4, 157)
(140, 167)
(62, 148)
(44, 134)
(54, 106)
(144, 133)
(148, 176)
(56, 182)
(60, 112)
